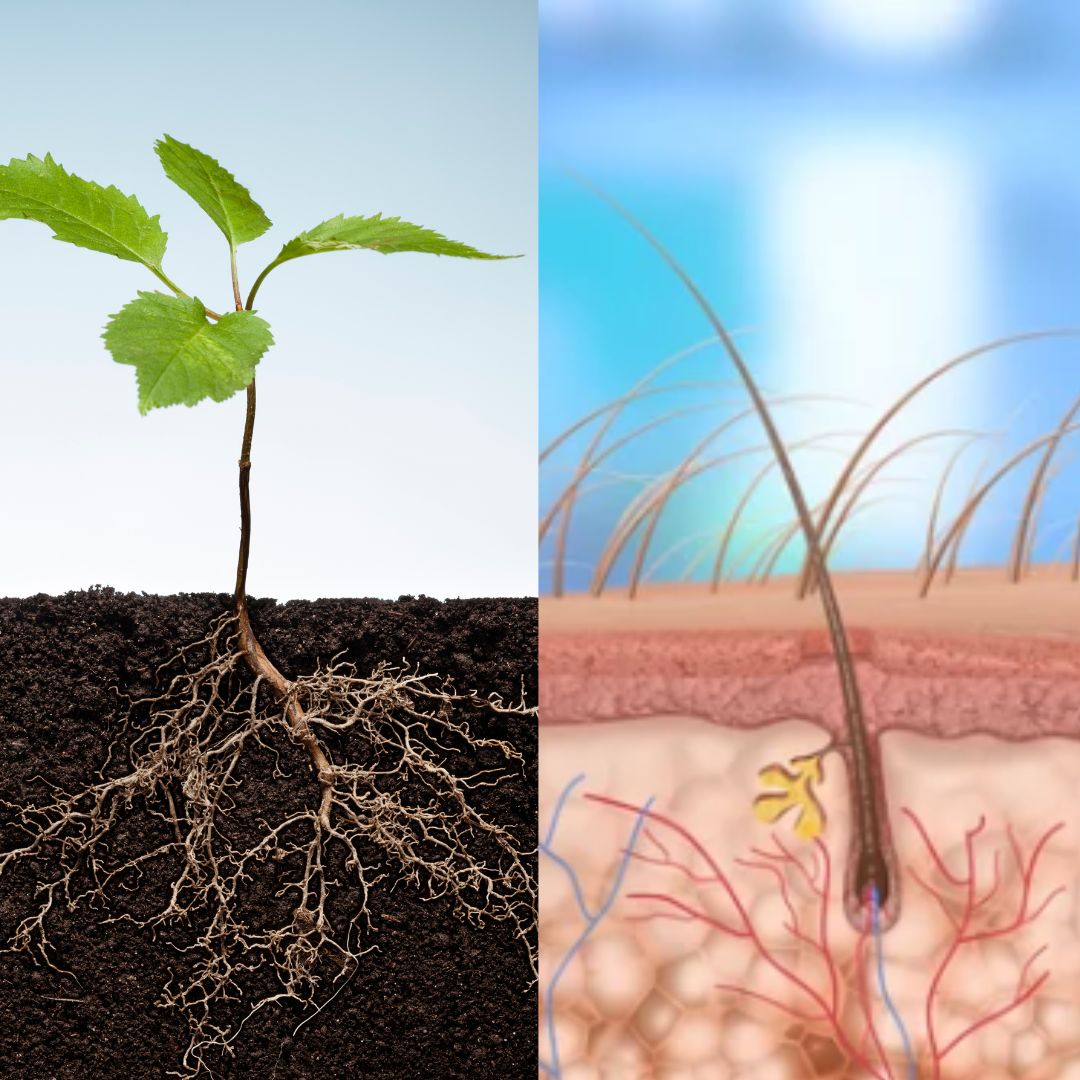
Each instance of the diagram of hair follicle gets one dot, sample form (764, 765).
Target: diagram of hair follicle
(803, 815)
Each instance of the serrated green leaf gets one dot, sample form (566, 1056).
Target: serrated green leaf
(376, 233)
(228, 203)
(79, 211)
(181, 357)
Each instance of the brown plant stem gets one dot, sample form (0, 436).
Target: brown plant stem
(253, 653)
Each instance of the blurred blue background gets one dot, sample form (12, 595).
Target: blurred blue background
(865, 188)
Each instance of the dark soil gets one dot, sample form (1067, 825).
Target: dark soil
(440, 998)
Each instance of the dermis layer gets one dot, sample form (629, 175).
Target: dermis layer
(980, 656)
(974, 695)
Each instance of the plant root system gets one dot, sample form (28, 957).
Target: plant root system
(385, 805)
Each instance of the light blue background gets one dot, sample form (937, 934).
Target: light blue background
(867, 186)
(395, 444)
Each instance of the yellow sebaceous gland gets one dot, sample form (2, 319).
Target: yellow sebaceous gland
(792, 789)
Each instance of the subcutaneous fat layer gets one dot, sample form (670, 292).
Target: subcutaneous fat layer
(668, 984)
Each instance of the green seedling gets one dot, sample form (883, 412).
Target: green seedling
(401, 798)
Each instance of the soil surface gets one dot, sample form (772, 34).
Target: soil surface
(439, 999)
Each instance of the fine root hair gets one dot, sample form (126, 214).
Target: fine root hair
(395, 805)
